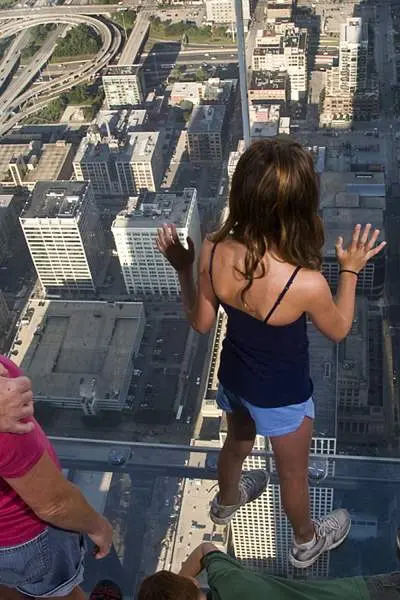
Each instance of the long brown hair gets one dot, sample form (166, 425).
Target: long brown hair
(273, 204)
(166, 585)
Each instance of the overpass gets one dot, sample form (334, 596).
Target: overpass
(136, 40)
(37, 97)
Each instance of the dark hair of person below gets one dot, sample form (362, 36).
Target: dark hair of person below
(166, 585)
(273, 204)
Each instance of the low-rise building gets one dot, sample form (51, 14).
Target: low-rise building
(347, 199)
(223, 12)
(146, 272)
(213, 91)
(80, 354)
(23, 165)
(207, 133)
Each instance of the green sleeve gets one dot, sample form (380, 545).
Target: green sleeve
(219, 565)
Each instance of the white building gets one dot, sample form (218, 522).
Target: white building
(123, 86)
(145, 270)
(284, 50)
(140, 165)
(115, 167)
(64, 234)
(223, 11)
(353, 55)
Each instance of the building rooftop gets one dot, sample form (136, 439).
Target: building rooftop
(353, 350)
(36, 161)
(151, 210)
(118, 71)
(350, 198)
(66, 344)
(269, 80)
(118, 122)
(140, 146)
(207, 119)
(55, 199)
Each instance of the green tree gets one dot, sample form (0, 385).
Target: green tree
(81, 40)
(201, 74)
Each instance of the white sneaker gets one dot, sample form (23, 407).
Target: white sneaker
(251, 485)
(330, 532)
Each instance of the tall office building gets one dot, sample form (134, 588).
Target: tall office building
(207, 133)
(223, 11)
(123, 86)
(347, 199)
(119, 168)
(353, 55)
(284, 49)
(146, 272)
(65, 238)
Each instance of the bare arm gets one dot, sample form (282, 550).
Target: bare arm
(334, 317)
(58, 502)
(199, 301)
(192, 565)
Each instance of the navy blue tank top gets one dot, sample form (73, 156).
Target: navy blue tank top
(266, 365)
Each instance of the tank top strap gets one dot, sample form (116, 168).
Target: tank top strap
(210, 268)
(282, 294)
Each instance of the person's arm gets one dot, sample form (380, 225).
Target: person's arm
(58, 502)
(192, 565)
(334, 317)
(16, 403)
(199, 301)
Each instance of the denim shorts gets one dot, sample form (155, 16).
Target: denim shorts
(270, 422)
(50, 565)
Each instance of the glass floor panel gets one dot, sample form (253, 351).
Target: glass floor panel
(157, 499)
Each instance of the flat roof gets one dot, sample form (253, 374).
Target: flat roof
(45, 161)
(55, 199)
(151, 210)
(67, 344)
(207, 118)
(118, 70)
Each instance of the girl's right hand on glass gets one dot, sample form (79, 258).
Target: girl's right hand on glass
(361, 249)
(170, 246)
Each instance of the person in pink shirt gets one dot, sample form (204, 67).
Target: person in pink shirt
(43, 516)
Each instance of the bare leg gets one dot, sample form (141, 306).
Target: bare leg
(238, 445)
(76, 594)
(291, 453)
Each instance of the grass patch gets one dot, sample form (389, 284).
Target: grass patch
(79, 41)
(188, 34)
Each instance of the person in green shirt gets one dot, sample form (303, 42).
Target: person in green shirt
(229, 580)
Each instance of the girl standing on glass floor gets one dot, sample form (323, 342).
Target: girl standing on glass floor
(263, 267)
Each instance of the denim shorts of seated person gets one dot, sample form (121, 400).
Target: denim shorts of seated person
(269, 422)
(49, 566)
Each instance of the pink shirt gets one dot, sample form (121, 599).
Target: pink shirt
(18, 454)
